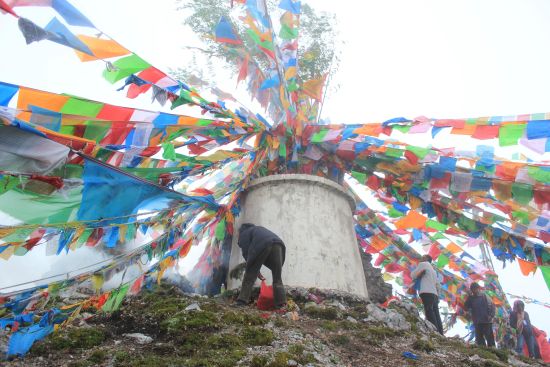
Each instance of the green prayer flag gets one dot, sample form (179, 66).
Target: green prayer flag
(125, 67)
(522, 193)
(95, 131)
(418, 151)
(32, 208)
(394, 213)
(319, 136)
(393, 152)
(7, 183)
(220, 230)
(545, 270)
(20, 251)
(82, 107)
(168, 151)
(204, 122)
(510, 134)
(404, 129)
(19, 235)
(442, 260)
(115, 298)
(288, 33)
(84, 237)
(282, 149)
(361, 177)
(438, 236)
(539, 173)
(436, 225)
(522, 217)
(292, 86)
(130, 232)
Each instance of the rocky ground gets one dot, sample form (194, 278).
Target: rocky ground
(165, 327)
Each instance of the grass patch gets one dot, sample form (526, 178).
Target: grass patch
(329, 325)
(224, 341)
(186, 321)
(340, 340)
(381, 332)
(78, 338)
(280, 359)
(259, 361)
(280, 322)
(242, 318)
(484, 352)
(326, 313)
(423, 345)
(97, 356)
(257, 336)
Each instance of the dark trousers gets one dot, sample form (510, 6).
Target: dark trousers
(272, 257)
(484, 334)
(431, 310)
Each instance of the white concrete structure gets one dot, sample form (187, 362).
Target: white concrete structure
(314, 218)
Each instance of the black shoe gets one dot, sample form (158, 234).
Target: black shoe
(239, 303)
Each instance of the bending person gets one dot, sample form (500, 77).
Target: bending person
(260, 247)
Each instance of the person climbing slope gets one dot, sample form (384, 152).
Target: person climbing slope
(429, 284)
(260, 247)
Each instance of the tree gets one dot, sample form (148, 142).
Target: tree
(317, 53)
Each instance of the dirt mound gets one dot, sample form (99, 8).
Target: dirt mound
(164, 327)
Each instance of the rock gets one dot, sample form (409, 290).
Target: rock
(427, 326)
(292, 362)
(336, 304)
(516, 362)
(140, 338)
(379, 290)
(193, 307)
(310, 305)
(397, 321)
(475, 358)
(391, 318)
(351, 319)
(375, 313)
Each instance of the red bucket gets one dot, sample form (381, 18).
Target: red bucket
(265, 300)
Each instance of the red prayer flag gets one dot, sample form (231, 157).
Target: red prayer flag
(7, 9)
(486, 132)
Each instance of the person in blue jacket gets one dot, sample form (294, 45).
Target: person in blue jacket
(520, 322)
(259, 247)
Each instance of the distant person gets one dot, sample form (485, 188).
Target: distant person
(429, 285)
(260, 247)
(482, 310)
(519, 320)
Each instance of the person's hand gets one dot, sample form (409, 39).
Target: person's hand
(261, 277)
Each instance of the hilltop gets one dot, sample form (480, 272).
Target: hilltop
(166, 327)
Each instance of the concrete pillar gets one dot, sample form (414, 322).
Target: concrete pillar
(314, 218)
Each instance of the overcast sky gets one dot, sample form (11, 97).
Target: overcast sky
(438, 58)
